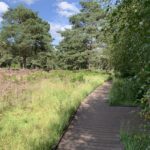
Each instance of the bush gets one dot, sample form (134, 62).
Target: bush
(124, 92)
(145, 103)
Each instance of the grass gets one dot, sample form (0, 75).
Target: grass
(136, 141)
(42, 110)
(123, 92)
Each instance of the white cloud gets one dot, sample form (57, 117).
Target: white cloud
(3, 8)
(55, 27)
(67, 9)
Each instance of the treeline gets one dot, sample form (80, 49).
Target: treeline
(25, 41)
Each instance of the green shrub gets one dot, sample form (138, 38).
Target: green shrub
(145, 104)
(123, 92)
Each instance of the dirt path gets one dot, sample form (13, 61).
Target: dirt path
(97, 125)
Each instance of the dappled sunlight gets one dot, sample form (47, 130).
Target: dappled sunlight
(97, 125)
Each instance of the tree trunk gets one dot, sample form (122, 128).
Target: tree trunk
(24, 62)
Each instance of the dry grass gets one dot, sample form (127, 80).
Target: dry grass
(14, 87)
(43, 104)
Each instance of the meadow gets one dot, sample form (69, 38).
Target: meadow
(35, 106)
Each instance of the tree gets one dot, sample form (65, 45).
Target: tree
(5, 56)
(78, 43)
(127, 36)
(25, 34)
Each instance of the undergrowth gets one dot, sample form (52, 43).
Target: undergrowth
(123, 92)
(136, 141)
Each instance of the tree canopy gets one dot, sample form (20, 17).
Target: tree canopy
(23, 35)
(77, 47)
(127, 36)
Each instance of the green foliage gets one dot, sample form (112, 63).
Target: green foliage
(98, 60)
(24, 35)
(145, 103)
(144, 79)
(42, 60)
(124, 92)
(127, 36)
(5, 59)
(79, 78)
(80, 42)
(136, 141)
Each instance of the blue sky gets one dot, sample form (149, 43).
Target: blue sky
(56, 12)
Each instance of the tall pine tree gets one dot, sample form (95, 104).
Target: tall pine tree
(79, 42)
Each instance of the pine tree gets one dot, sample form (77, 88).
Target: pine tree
(79, 42)
(25, 34)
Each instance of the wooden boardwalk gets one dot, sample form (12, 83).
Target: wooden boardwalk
(96, 125)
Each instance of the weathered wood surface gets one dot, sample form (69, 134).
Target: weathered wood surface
(96, 125)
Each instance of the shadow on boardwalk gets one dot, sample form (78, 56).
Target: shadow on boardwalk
(97, 125)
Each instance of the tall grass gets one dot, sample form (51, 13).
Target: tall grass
(136, 141)
(15, 87)
(39, 123)
(124, 92)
